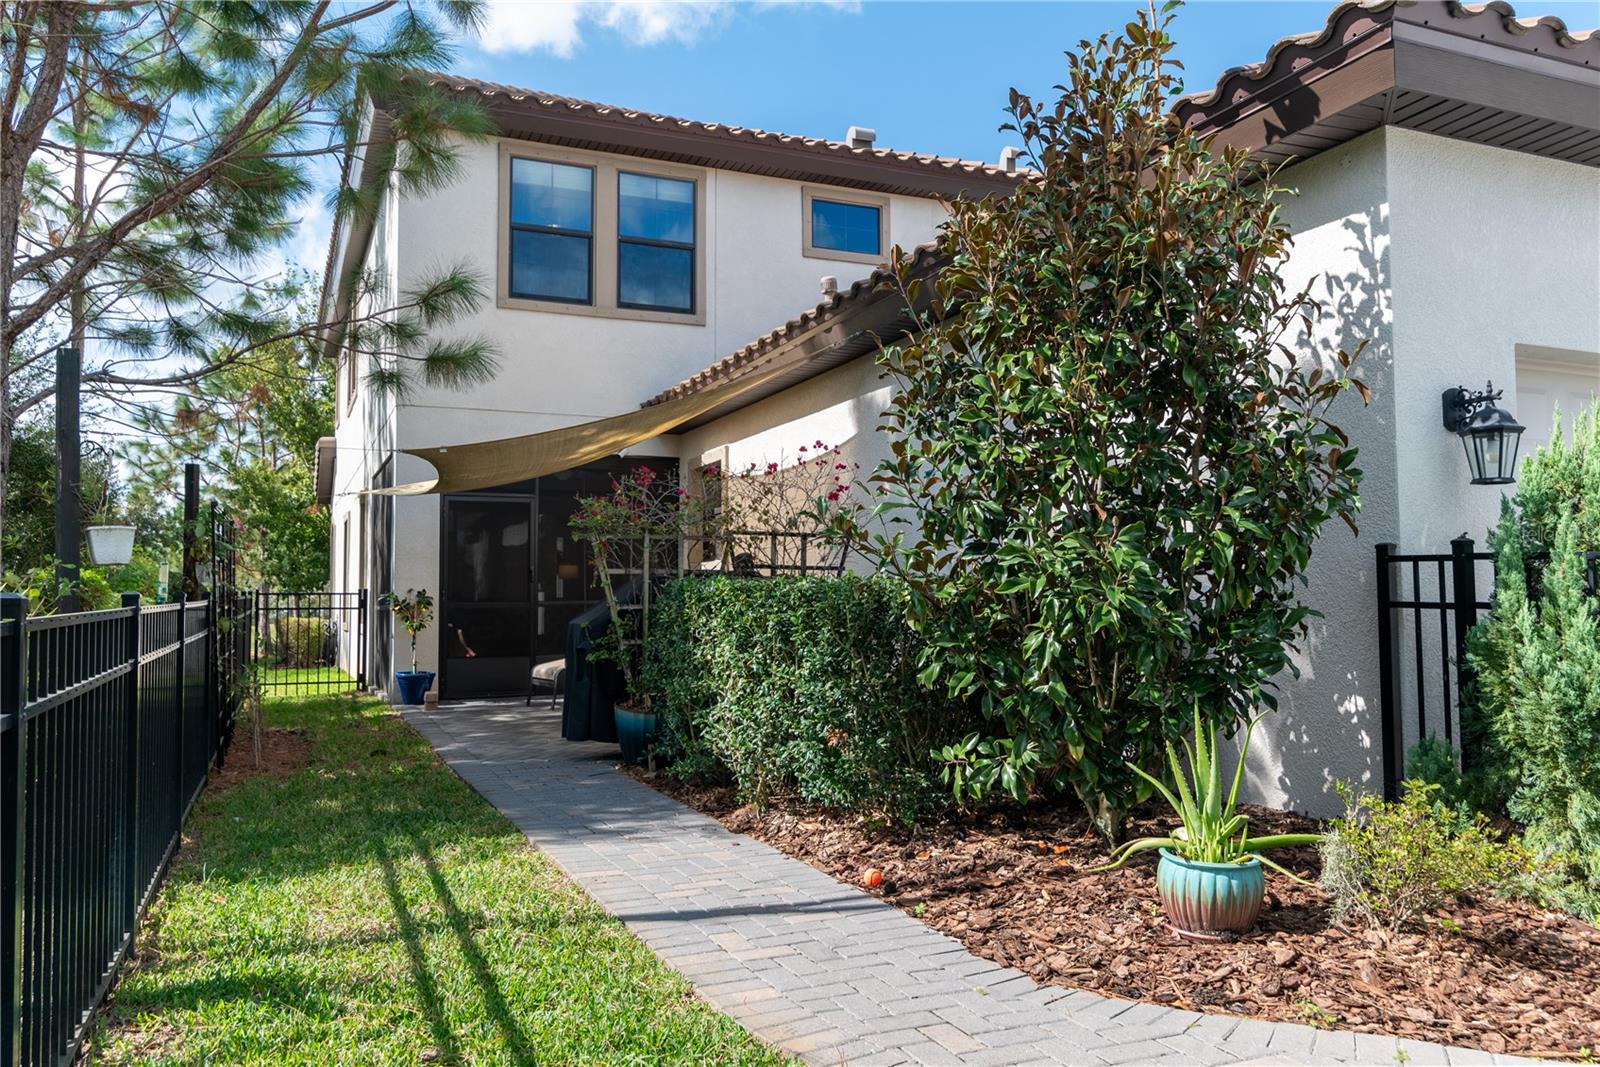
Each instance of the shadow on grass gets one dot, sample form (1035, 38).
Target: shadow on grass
(444, 1038)
(494, 1001)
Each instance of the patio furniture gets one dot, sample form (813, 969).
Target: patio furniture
(550, 672)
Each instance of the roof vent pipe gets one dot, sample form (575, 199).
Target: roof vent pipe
(1008, 158)
(861, 136)
(830, 285)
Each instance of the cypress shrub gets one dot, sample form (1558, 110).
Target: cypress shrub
(797, 688)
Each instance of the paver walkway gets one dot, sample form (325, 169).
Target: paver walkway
(814, 967)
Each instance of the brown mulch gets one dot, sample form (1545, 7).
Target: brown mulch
(284, 750)
(1015, 887)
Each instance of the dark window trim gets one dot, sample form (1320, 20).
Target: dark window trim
(554, 231)
(690, 247)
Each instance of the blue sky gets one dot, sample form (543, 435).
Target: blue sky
(928, 76)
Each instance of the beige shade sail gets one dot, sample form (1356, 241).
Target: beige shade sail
(486, 464)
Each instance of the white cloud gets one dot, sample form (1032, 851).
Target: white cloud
(556, 26)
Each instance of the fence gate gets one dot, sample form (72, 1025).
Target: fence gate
(309, 642)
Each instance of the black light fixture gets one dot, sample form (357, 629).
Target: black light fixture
(1489, 433)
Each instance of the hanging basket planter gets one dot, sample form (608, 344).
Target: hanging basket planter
(110, 545)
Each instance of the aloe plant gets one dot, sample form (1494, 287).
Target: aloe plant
(1213, 831)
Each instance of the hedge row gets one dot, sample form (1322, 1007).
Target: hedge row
(797, 687)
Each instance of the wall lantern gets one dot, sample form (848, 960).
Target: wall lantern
(1489, 433)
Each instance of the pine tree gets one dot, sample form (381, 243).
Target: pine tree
(157, 154)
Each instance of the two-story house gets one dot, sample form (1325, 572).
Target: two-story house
(627, 251)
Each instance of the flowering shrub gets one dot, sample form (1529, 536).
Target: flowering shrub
(637, 528)
(797, 687)
(802, 497)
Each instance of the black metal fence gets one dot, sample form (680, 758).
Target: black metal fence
(109, 724)
(1427, 604)
(309, 642)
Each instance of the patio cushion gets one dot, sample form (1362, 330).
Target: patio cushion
(549, 669)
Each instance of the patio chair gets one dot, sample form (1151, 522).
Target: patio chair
(550, 671)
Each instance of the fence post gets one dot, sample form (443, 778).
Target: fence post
(13, 787)
(130, 862)
(191, 519)
(1389, 710)
(180, 683)
(1464, 587)
(361, 641)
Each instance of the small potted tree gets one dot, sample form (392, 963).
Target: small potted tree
(635, 533)
(414, 609)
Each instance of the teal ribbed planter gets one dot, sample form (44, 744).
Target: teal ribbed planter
(1204, 901)
(634, 731)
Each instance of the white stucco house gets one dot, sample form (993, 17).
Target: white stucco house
(657, 279)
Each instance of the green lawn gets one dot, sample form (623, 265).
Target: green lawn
(369, 908)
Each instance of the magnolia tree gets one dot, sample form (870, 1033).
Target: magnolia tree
(1109, 466)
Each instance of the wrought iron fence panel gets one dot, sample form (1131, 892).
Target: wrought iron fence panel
(1428, 602)
(309, 642)
(109, 725)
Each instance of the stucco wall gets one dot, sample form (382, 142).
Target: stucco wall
(1493, 249)
(1327, 726)
(557, 369)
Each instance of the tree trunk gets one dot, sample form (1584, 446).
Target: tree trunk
(1109, 821)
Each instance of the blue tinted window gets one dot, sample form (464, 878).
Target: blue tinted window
(659, 209)
(655, 276)
(552, 195)
(845, 227)
(549, 266)
(655, 242)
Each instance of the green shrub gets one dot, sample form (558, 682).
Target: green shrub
(300, 640)
(1389, 864)
(1532, 717)
(801, 687)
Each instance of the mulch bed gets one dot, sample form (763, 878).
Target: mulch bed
(1015, 887)
(284, 750)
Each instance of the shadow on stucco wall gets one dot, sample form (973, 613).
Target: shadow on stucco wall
(1327, 727)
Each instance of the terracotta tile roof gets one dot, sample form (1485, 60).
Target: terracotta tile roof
(1350, 19)
(924, 259)
(715, 136)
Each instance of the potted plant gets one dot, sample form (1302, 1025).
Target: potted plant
(635, 532)
(414, 609)
(1210, 877)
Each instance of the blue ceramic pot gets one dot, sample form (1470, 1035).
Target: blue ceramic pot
(634, 731)
(1204, 901)
(413, 685)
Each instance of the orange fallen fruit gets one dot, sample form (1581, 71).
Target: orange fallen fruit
(872, 878)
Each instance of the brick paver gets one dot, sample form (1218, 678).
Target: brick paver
(812, 966)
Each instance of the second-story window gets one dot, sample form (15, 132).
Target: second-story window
(842, 227)
(655, 242)
(552, 231)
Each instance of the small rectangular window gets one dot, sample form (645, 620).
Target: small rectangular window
(655, 242)
(842, 227)
(552, 231)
